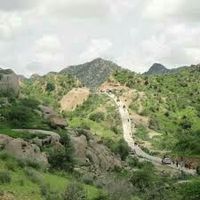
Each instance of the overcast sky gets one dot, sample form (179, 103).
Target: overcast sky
(38, 36)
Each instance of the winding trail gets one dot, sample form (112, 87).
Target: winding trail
(128, 131)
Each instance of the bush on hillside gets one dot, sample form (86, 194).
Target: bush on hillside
(50, 87)
(75, 191)
(5, 177)
(97, 117)
(121, 148)
(62, 158)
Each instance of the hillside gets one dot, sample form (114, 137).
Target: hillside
(81, 154)
(92, 74)
(171, 102)
(49, 89)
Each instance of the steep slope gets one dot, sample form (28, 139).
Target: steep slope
(94, 73)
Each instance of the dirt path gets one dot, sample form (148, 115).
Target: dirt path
(128, 131)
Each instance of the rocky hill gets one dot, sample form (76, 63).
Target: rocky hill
(9, 84)
(92, 74)
(157, 68)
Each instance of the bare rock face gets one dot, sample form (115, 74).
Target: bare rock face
(9, 83)
(22, 149)
(89, 151)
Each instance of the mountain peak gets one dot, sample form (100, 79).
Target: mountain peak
(92, 74)
(157, 68)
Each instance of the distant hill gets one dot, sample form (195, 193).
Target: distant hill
(157, 68)
(92, 74)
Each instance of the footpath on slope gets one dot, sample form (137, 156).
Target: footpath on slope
(127, 133)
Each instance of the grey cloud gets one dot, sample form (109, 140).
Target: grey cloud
(79, 9)
(13, 5)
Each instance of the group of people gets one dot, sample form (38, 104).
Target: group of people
(179, 163)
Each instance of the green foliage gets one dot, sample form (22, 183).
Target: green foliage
(142, 133)
(97, 117)
(188, 142)
(33, 175)
(62, 158)
(121, 148)
(172, 103)
(5, 177)
(75, 191)
(21, 113)
(50, 87)
(190, 191)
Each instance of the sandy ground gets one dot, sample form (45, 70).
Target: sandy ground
(74, 98)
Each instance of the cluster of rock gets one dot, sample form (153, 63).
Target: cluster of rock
(92, 155)
(22, 149)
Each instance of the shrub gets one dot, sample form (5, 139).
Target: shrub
(198, 170)
(4, 156)
(47, 193)
(97, 117)
(87, 179)
(142, 179)
(75, 191)
(121, 148)
(50, 87)
(102, 196)
(33, 175)
(11, 165)
(62, 158)
(119, 189)
(5, 177)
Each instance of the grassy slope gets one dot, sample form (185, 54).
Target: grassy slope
(23, 188)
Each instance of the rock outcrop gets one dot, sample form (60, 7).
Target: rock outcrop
(54, 119)
(9, 83)
(93, 154)
(22, 149)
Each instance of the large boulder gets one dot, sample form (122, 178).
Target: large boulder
(22, 149)
(9, 83)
